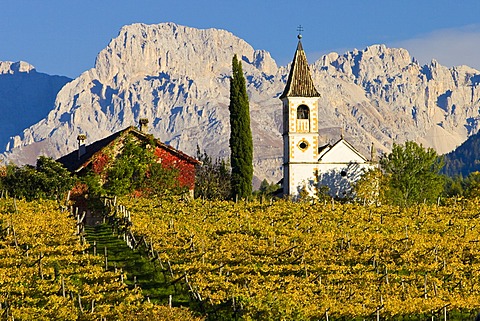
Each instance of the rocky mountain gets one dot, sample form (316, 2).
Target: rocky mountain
(26, 96)
(178, 77)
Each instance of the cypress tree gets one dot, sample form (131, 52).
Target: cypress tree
(241, 144)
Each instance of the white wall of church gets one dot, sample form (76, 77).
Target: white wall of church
(302, 176)
(341, 178)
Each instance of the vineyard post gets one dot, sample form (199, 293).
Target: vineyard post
(151, 248)
(14, 234)
(40, 270)
(425, 286)
(170, 268)
(63, 286)
(80, 303)
(106, 259)
(159, 260)
(94, 247)
(169, 300)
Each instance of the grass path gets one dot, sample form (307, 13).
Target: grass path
(140, 269)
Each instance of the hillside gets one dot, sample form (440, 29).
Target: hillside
(465, 159)
(178, 78)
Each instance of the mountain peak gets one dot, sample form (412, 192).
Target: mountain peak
(9, 67)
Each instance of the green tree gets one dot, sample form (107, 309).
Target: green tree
(212, 178)
(48, 179)
(267, 189)
(129, 170)
(455, 186)
(412, 174)
(241, 144)
(162, 181)
(471, 185)
(370, 188)
(137, 169)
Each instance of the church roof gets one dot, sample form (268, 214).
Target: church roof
(343, 150)
(300, 83)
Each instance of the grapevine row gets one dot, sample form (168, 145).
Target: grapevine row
(309, 261)
(46, 272)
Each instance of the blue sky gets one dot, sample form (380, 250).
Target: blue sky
(63, 37)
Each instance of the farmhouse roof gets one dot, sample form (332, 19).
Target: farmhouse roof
(74, 163)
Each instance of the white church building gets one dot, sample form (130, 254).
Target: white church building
(306, 165)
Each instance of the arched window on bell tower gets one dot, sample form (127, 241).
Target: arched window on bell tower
(303, 118)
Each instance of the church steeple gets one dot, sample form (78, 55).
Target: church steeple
(300, 125)
(300, 83)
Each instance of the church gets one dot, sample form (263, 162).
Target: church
(306, 165)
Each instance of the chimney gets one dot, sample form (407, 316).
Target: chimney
(81, 145)
(144, 125)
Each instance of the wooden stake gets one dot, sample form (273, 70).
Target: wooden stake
(80, 302)
(40, 270)
(106, 259)
(425, 286)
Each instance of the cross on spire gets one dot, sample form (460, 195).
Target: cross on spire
(300, 30)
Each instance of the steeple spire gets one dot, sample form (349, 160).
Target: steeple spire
(300, 83)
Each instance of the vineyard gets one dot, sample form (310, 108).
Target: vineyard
(246, 261)
(302, 261)
(46, 272)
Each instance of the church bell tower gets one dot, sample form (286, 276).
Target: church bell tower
(300, 126)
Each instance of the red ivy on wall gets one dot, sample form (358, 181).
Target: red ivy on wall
(186, 169)
(100, 162)
(78, 195)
